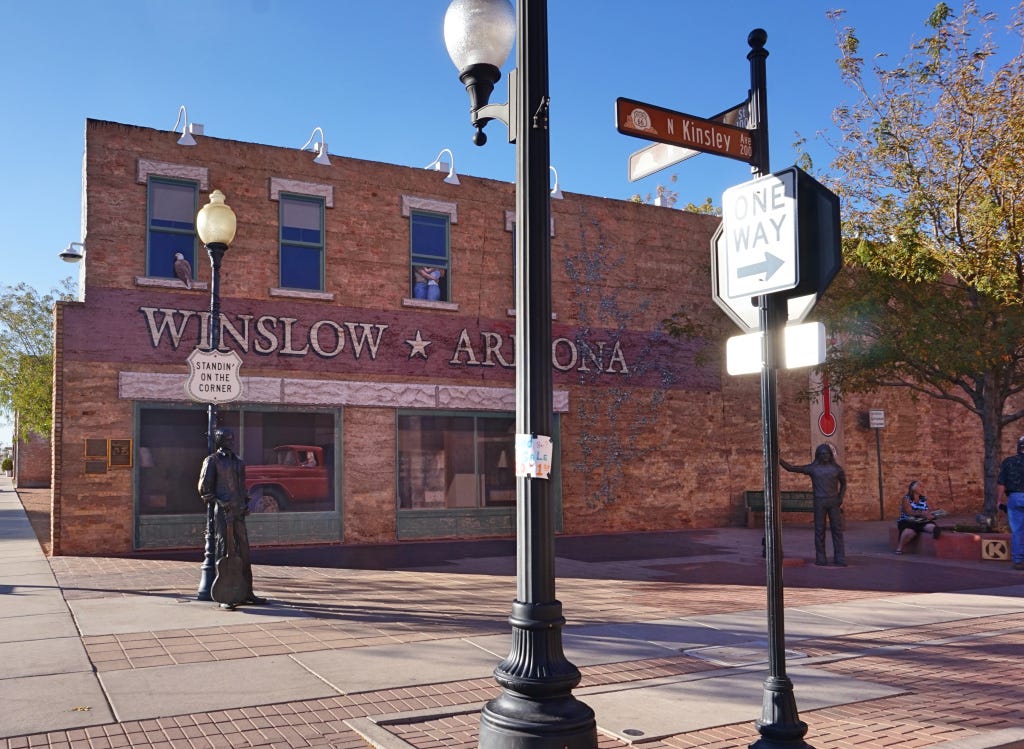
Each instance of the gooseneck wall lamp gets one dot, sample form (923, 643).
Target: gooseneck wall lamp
(439, 166)
(536, 708)
(216, 225)
(186, 138)
(320, 146)
(556, 191)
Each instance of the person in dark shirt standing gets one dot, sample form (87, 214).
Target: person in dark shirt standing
(828, 481)
(1011, 491)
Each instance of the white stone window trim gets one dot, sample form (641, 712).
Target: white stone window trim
(289, 391)
(147, 168)
(170, 283)
(320, 296)
(280, 185)
(427, 304)
(412, 203)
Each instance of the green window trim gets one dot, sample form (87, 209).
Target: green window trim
(170, 224)
(301, 242)
(430, 255)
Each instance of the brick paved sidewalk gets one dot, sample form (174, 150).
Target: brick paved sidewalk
(955, 679)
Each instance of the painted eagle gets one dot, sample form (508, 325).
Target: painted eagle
(183, 270)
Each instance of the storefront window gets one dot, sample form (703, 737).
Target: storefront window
(455, 462)
(289, 459)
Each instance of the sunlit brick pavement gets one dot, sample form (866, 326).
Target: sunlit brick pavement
(952, 680)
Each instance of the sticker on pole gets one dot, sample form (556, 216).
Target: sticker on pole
(533, 456)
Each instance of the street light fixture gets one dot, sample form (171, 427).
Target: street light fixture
(536, 709)
(216, 225)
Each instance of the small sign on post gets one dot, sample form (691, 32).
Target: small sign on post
(214, 376)
(533, 456)
(876, 421)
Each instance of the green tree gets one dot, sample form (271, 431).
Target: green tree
(666, 197)
(930, 169)
(26, 355)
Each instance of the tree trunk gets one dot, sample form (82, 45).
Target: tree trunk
(992, 436)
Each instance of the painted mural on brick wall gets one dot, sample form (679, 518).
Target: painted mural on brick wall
(610, 434)
(142, 327)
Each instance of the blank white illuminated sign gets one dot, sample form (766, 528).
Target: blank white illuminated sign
(804, 347)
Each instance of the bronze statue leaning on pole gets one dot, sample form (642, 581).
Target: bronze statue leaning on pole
(222, 482)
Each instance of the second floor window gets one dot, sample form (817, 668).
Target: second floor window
(428, 253)
(171, 225)
(302, 242)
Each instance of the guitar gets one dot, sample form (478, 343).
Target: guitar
(229, 587)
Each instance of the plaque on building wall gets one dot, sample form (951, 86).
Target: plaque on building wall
(96, 450)
(120, 453)
(96, 466)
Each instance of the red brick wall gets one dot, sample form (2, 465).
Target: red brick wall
(32, 462)
(676, 450)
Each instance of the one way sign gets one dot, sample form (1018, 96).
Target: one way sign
(759, 224)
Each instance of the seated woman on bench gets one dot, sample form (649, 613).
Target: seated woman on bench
(915, 516)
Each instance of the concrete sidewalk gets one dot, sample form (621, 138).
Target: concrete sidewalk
(353, 651)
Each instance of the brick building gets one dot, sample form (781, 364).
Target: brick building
(31, 458)
(372, 308)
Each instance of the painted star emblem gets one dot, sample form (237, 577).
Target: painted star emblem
(418, 347)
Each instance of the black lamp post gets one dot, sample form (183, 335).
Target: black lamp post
(536, 709)
(780, 725)
(215, 224)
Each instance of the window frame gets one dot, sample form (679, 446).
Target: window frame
(422, 259)
(410, 203)
(153, 180)
(481, 519)
(479, 436)
(320, 246)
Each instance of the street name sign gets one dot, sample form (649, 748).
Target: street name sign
(214, 376)
(676, 128)
(658, 156)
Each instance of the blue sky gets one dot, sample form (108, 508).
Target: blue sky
(376, 77)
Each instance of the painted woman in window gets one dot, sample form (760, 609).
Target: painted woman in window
(427, 284)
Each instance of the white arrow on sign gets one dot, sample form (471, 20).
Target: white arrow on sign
(768, 266)
(744, 311)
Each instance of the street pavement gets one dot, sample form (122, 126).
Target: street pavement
(393, 646)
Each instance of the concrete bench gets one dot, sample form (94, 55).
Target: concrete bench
(789, 501)
(953, 544)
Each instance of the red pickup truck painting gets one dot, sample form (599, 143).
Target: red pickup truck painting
(296, 480)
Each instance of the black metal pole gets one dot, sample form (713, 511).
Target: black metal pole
(881, 494)
(536, 708)
(780, 724)
(208, 570)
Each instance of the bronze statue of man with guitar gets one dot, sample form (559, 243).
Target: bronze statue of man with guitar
(222, 481)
